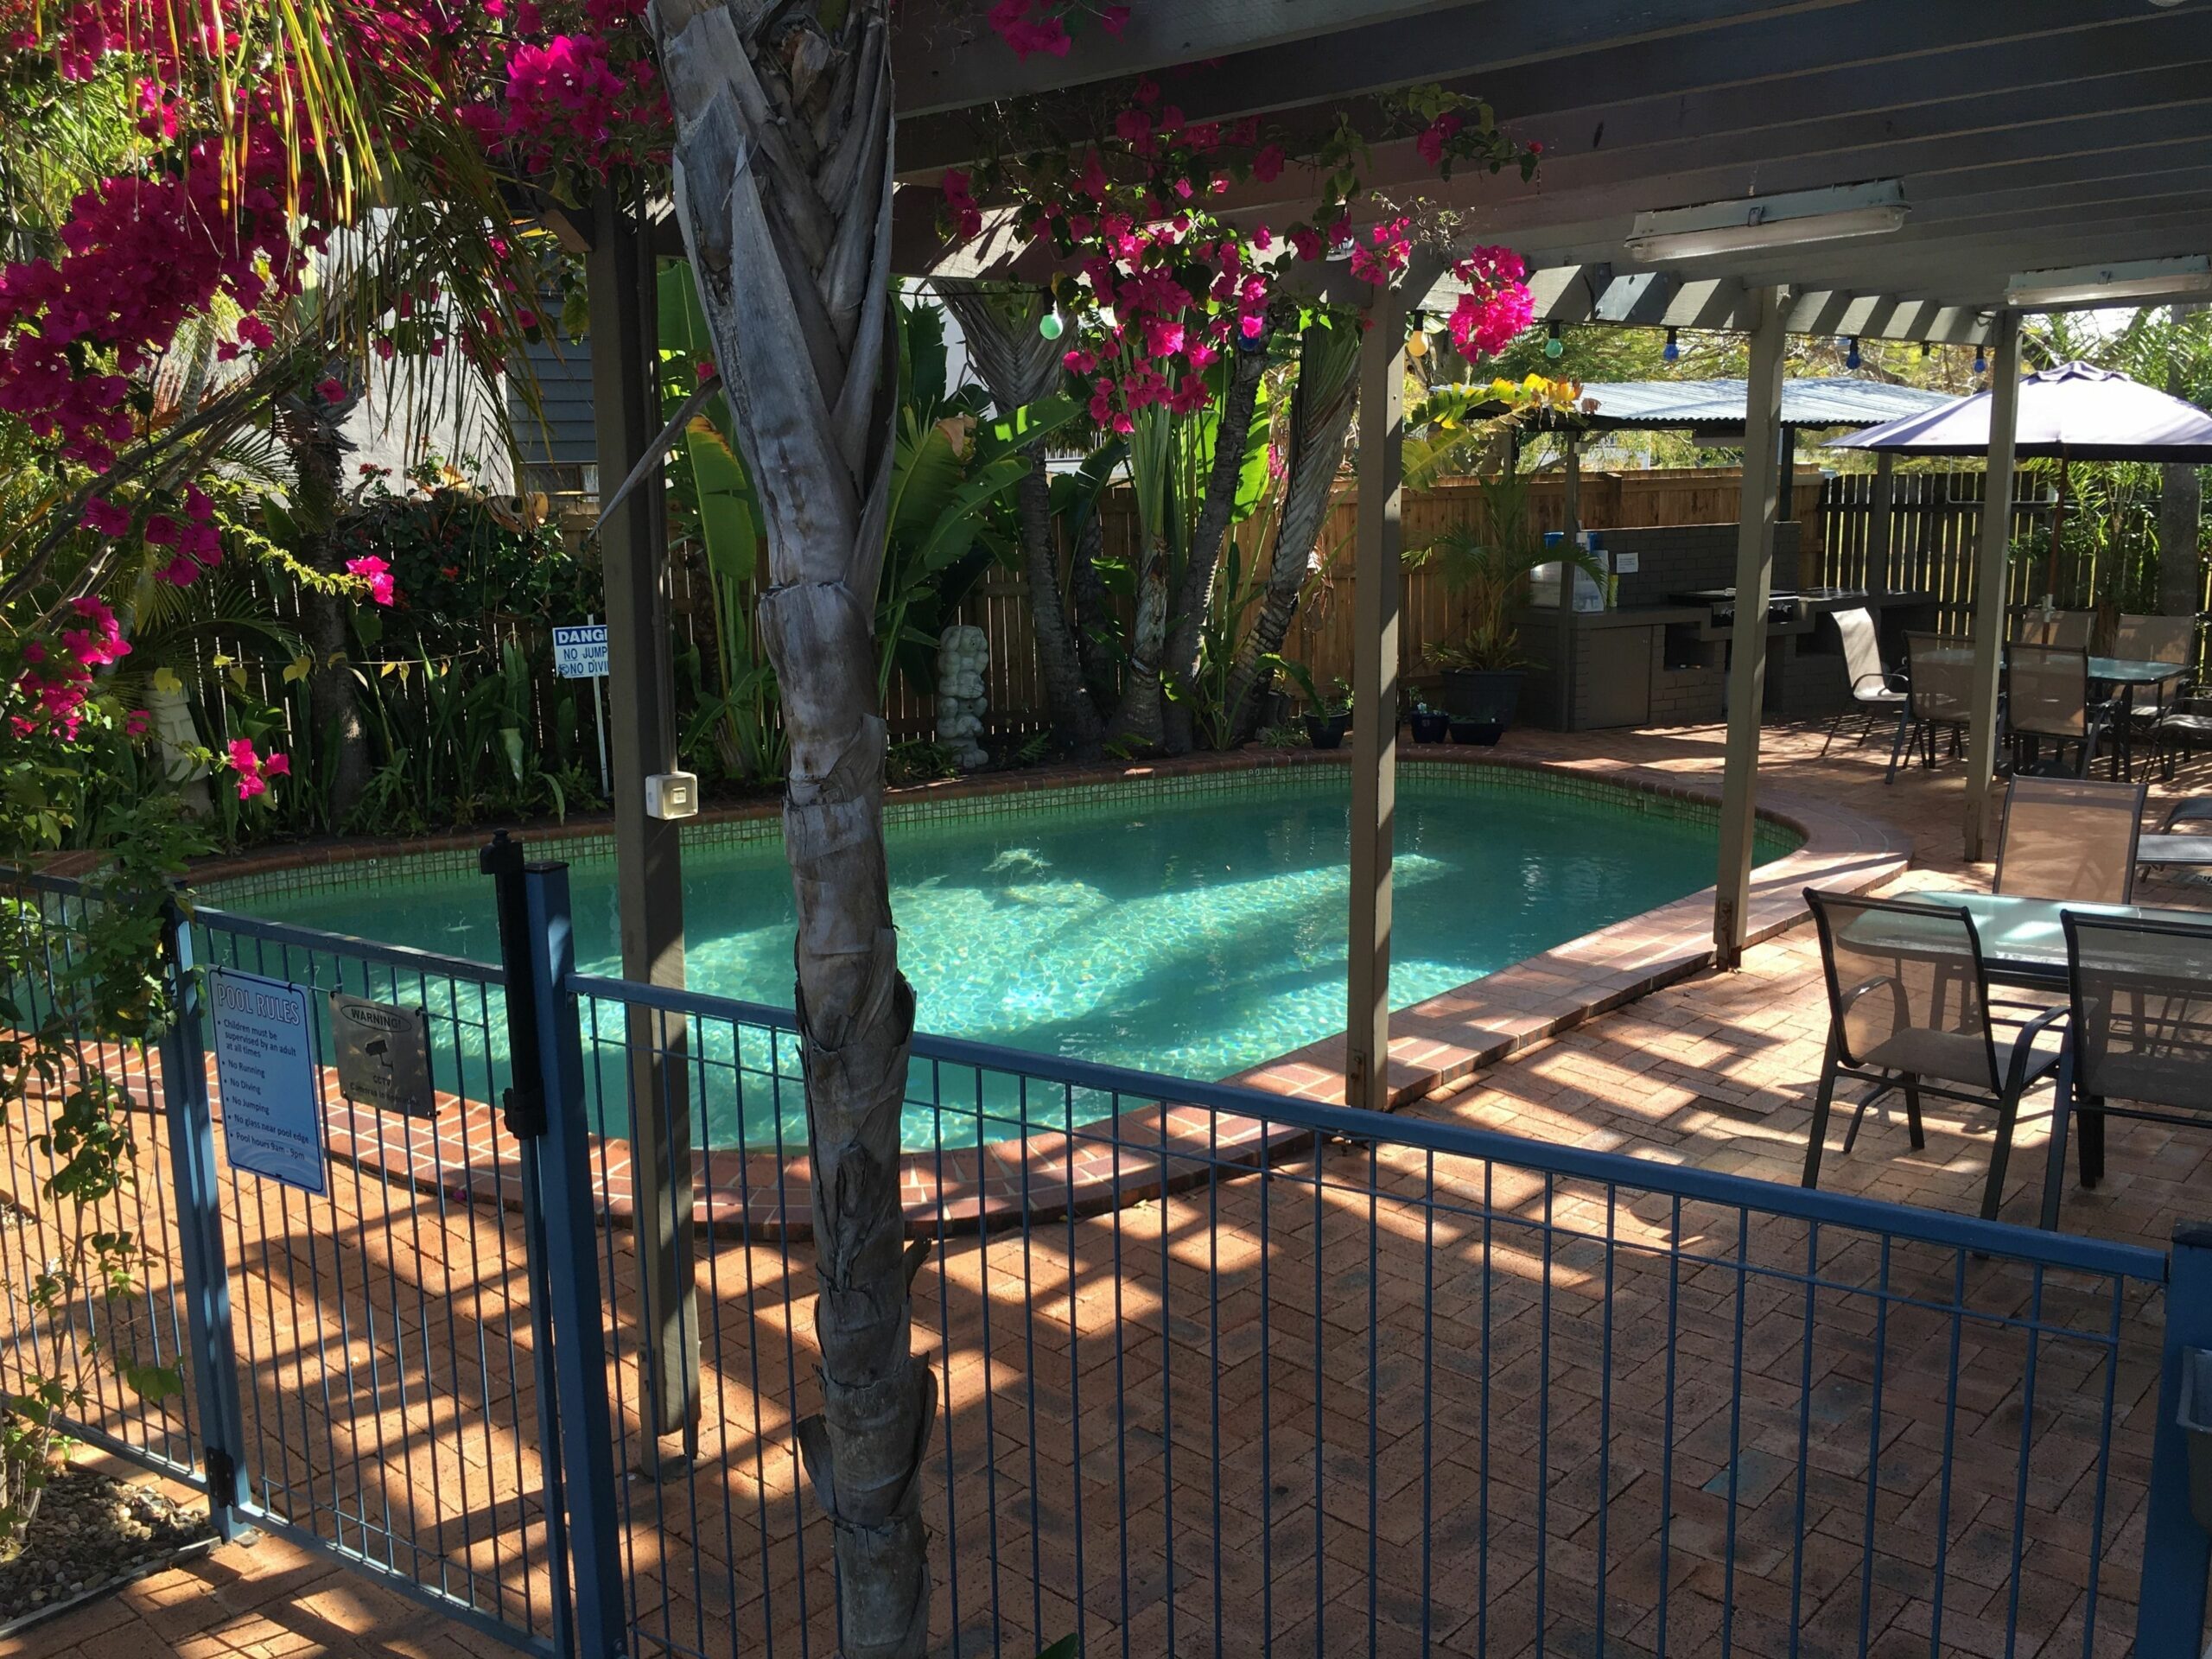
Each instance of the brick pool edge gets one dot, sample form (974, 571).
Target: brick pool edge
(1139, 1155)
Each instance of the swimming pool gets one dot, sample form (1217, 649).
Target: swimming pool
(1194, 926)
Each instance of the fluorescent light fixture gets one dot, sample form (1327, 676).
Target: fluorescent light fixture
(1757, 223)
(2133, 283)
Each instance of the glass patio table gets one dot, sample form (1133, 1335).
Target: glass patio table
(2128, 671)
(2023, 940)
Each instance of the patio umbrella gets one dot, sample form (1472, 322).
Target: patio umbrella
(2073, 412)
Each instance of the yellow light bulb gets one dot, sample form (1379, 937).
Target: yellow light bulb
(1417, 346)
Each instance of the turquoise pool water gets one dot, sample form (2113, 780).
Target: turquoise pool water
(1194, 932)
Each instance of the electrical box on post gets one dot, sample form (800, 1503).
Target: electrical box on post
(672, 795)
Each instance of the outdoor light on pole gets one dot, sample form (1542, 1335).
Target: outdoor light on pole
(1753, 224)
(2139, 281)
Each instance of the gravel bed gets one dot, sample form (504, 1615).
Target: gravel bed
(92, 1531)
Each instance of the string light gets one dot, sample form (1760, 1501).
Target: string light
(1673, 351)
(1850, 353)
(1050, 325)
(1980, 361)
(1555, 347)
(1417, 341)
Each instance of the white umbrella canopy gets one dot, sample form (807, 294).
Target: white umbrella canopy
(2073, 412)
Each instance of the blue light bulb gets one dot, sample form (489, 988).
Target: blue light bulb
(1850, 353)
(1673, 351)
(1980, 362)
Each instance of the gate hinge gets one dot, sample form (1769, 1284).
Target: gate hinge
(524, 1113)
(222, 1475)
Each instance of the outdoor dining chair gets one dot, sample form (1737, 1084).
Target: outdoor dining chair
(1939, 695)
(2141, 1032)
(2182, 725)
(1909, 1008)
(2070, 838)
(2047, 696)
(2068, 630)
(1872, 692)
(2154, 639)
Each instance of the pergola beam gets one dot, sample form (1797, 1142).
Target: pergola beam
(1621, 86)
(944, 59)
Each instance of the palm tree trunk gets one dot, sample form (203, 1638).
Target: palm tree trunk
(1093, 611)
(1320, 418)
(782, 187)
(1020, 367)
(1195, 596)
(1138, 721)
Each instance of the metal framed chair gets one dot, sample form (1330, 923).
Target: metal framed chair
(1873, 692)
(2141, 1032)
(1909, 1009)
(2070, 838)
(1939, 695)
(2068, 630)
(2184, 724)
(2154, 639)
(2047, 696)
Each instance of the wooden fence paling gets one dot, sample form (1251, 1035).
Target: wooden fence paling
(1931, 546)
(1936, 524)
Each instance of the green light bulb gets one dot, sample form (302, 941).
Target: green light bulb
(1050, 325)
(1555, 347)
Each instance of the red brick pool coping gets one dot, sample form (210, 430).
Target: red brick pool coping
(1136, 1155)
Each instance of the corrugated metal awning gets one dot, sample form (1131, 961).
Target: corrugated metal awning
(1832, 401)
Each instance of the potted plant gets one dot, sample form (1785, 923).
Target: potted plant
(1327, 719)
(1488, 574)
(1430, 725)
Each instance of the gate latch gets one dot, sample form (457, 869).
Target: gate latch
(524, 1112)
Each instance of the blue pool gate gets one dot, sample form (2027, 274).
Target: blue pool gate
(1397, 1385)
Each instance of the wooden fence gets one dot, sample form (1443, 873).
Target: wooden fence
(1934, 535)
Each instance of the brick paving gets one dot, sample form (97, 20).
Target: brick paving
(1177, 1471)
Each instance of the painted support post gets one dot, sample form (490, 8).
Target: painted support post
(648, 851)
(1989, 584)
(2181, 508)
(1570, 505)
(586, 1449)
(1762, 467)
(2177, 1550)
(1880, 522)
(199, 1237)
(1379, 583)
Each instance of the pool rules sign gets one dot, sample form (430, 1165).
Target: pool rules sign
(265, 1065)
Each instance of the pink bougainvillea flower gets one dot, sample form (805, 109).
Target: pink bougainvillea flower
(136, 723)
(105, 518)
(254, 770)
(376, 574)
(1268, 165)
(331, 391)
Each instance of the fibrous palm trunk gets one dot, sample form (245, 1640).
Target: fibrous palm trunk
(1320, 419)
(1022, 366)
(1194, 596)
(311, 431)
(782, 187)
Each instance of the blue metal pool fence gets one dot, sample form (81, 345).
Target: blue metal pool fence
(1390, 1386)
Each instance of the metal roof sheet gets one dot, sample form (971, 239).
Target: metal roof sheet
(1838, 400)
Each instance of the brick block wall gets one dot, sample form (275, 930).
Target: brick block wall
(1686, 559)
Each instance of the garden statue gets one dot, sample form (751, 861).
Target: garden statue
(963, 657)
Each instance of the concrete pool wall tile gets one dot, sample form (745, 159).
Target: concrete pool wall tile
(1435, 1045)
